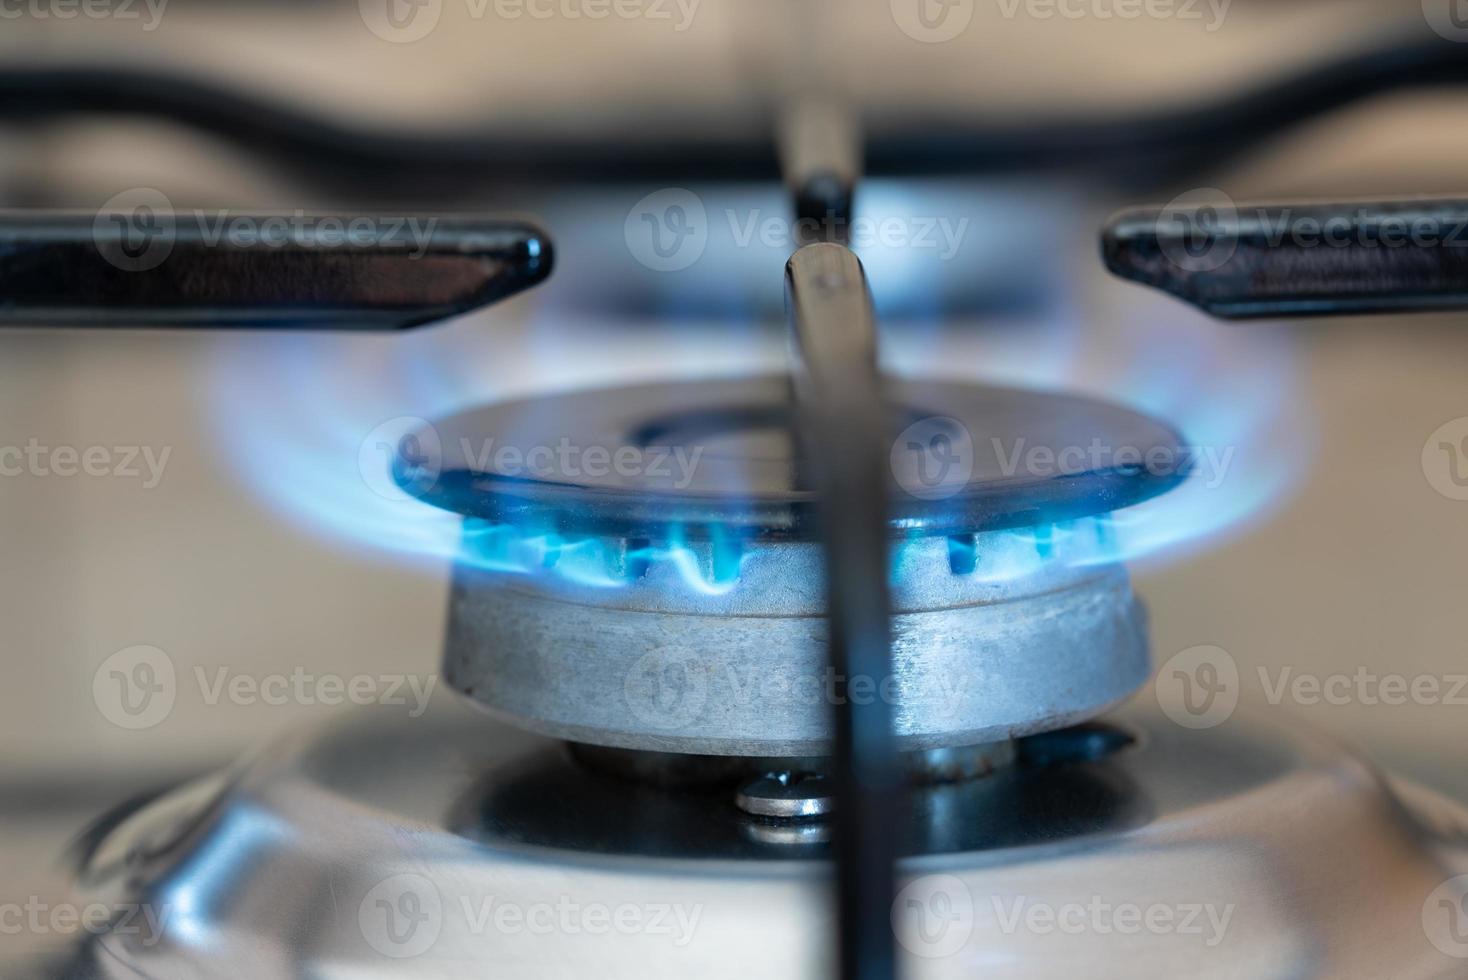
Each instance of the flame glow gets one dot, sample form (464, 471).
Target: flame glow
(310, 420)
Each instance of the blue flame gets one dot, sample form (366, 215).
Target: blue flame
(1227, 390)
(297, 414)
(594, 562)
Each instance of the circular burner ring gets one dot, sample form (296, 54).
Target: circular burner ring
(680, 607)
(715, 456)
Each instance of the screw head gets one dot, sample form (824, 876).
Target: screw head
(787, 795)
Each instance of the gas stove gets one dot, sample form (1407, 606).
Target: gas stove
(819, 671)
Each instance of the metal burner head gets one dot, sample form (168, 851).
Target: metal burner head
(641, 566)
(699, 456)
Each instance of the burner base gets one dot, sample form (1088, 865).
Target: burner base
(454, 846)
(746, 672)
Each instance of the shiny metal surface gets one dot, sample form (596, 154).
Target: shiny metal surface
(841, 420)
(454, 846)
(654, 666)
(788, 796)
(1240, 261)
(141, 263)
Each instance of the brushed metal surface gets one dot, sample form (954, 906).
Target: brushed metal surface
(654, 666)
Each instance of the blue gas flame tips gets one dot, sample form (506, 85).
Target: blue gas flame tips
(963, 553)
(705, 567)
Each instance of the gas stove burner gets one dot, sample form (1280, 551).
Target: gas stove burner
(683, 610)
(850, 679)
(716, 456)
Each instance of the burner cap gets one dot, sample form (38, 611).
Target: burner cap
(719, 454)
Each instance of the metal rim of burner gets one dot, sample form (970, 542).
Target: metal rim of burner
(624, 612)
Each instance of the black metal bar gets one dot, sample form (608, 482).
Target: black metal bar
(843, 423)
(821, 157)
(1240, 261)
(1156, 146)
(151, 266)
(403, 163)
